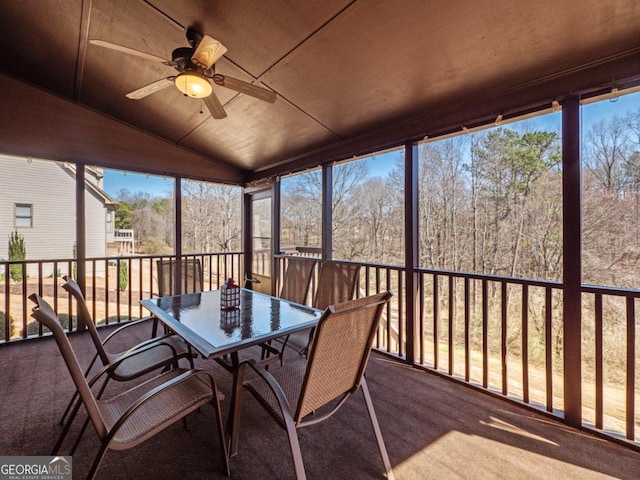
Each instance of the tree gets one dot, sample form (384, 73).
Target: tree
(150, 217)
(611, 182)
(123, 276)
(507, 167)
(302, 210)
(211, 217)
(124, 212)
(606, 152)
(444, 204)
(349, 236)
(12, 327)
(17, 251)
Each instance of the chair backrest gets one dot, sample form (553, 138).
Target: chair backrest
(44, 314)
(339, 351)
(337, 282)
(84, 316)
(190, 280)
(297, 278)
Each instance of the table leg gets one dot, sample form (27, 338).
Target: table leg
(236, 403)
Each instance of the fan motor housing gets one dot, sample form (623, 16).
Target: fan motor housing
(182, 58)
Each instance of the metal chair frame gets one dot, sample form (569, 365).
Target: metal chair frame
(311, 390)
(130, 418)
(155, 353)
(337, 283)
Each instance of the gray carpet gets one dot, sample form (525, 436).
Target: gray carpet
(433, 429)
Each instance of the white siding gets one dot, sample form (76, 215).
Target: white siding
(50, 188)
(96, 227)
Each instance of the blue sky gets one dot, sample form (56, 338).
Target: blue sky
(380, 164)
(115, 180)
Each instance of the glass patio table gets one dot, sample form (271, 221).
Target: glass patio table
(217, 333)
(213, 332)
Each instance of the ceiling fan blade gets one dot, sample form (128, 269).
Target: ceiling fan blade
(208, 51)
(246, 88)
(151, 88)
(215, 107)
(130, 51)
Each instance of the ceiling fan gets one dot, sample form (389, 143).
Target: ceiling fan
(196, 71)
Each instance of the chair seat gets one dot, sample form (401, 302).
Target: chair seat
(289, 377)
(150, 359)
(299, 341)
(167, 407)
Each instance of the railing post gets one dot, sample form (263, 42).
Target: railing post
(275, 235)
(327, 212)
(81, 238)
(411, 247)
(572, 268)
(247, 244)
(177, 241)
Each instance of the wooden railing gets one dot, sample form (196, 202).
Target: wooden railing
(499, 334)
(113, 288)
(505, 336)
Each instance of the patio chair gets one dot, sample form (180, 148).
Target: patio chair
(191, 280)
(156, 353)
(297, 279)
(337, 283)
(131, 417)
(295, 288)
(308, 391)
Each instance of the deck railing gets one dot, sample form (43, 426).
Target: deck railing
(113, 288)
(505, 335)
(500, 334)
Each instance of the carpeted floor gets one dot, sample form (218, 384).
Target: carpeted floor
(433, 428)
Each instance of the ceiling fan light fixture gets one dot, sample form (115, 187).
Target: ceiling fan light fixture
(193, 84)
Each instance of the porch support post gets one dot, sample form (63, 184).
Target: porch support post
(275, 235)
(327, 212)
(411, 248)
(247, 234)
(572, 253)
(81, 236)
(177, 240)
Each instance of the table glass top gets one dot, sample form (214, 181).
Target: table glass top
(198, 318)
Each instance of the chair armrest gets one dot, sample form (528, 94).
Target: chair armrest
(129, 354)
(248, 280)
(273, 385)
(127, 325)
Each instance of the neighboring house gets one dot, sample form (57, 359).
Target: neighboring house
(38, 197)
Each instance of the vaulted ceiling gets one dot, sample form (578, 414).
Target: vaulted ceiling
(350, 75)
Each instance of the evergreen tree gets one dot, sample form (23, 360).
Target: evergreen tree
(123, 277)
(17, 251)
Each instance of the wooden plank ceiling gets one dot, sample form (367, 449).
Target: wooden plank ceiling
(349, 75)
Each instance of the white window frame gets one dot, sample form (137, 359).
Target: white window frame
(19, 217)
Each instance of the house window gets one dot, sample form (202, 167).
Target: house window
(24, 215)
(109, 222)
